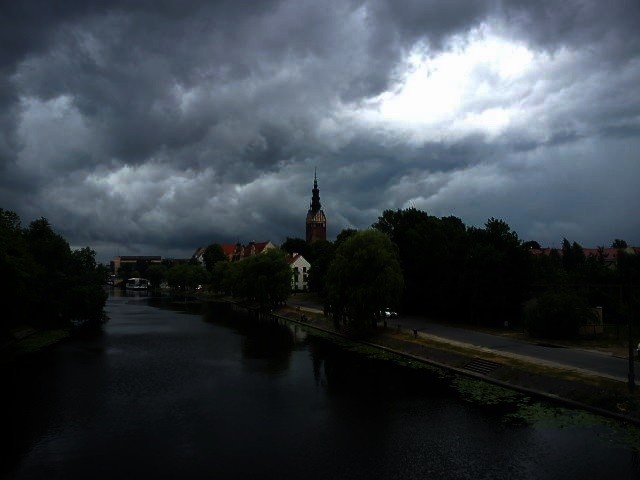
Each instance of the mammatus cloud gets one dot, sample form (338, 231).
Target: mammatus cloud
(156, 127)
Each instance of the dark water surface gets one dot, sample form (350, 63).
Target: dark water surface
(166, 393)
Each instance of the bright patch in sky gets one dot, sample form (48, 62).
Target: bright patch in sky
(465, 89)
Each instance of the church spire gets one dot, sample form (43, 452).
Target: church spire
(315, 197)
(316, 220)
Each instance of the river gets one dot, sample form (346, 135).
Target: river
(171, 390)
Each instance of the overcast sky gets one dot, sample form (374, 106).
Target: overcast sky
(154, 127)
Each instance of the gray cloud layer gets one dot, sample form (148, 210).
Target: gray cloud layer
(155, 127)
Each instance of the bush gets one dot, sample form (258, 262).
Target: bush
(557, 315)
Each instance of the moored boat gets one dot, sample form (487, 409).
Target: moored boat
(137, 284)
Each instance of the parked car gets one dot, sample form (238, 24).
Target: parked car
(388, 313)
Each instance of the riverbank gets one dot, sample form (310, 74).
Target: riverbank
(27, 340)
(571, 387)
(581, 389)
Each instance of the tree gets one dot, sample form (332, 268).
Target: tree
(322, 253)
(18, 269)
(619, 244)
(432, 253)
(557, 315)
(297, 245)
(223, 277)
(50, 284)
(156, 274)
(573, 257)
(344, 235)
(547, 269)
(497, 273)
(629, 277)
(264, 279)
(186, 276)
(212, 254)
(52, 255)
(531, 245)
(364, 278)
(85, 297)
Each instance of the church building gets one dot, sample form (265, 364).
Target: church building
(316, 220)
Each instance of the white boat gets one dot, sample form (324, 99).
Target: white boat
(137, 284)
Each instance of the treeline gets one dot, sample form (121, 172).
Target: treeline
(263, 279)
(46, 283)
(482, 275)
(567, 281)
(178, 275)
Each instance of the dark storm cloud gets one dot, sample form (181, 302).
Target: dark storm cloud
(577, 23)
(156, 125)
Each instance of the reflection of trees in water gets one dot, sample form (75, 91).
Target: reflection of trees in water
(635, 460)
(121, 292)
(177, 303)
(342, 370)
(266, 346)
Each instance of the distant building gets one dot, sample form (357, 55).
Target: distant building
(299, 272)
(138, 263)
(316, 225)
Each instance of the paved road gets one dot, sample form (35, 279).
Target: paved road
(572, 358)
(593, 361)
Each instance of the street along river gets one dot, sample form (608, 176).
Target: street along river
(172, 390)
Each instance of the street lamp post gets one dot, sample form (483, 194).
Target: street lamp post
(632, 378)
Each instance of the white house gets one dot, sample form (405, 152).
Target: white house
(299, 272)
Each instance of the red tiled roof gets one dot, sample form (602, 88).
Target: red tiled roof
(292, 258)
(228, 248)
(609, 254)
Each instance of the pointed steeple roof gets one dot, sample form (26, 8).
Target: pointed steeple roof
(315, 206)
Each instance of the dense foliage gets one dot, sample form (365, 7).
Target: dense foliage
(484, 275)
(613, 284)
(557, 315)
(456, 272)
(364, 279)
(186, 276)
(263, 279)
(46, 283)
(213, 254)
(297, 245)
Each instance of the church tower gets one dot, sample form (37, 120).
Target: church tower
(316, 221)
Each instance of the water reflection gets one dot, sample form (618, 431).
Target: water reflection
(188, 391)
(118, 292)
